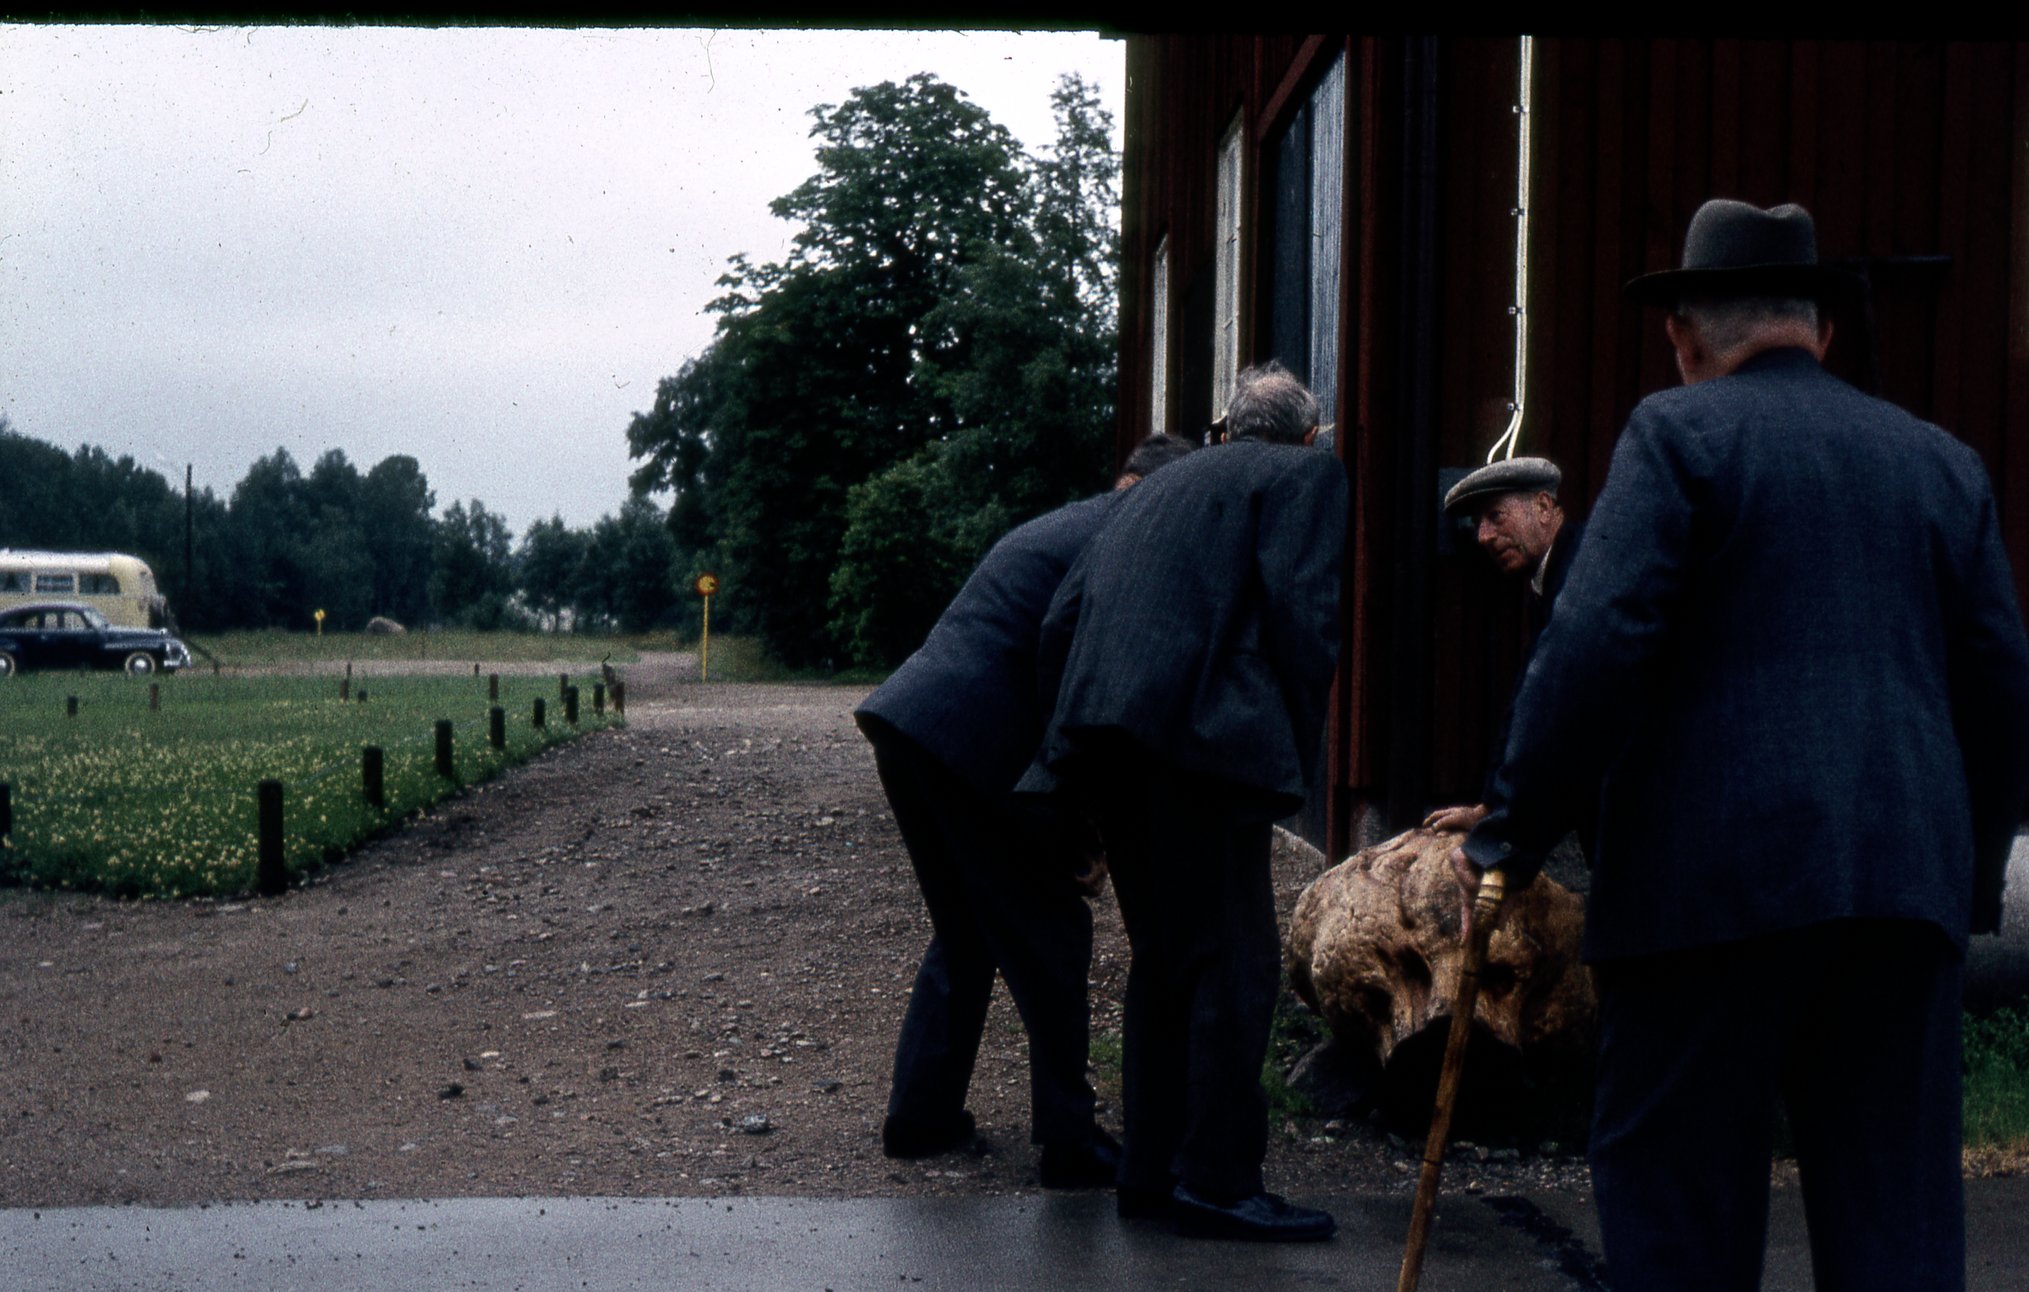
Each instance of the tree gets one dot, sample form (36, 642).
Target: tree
(1027, 367)
(894, 575)
(551, 564)
(627, 565)
(395, 503)
(907, 315)
(270, 523)
(474, 574)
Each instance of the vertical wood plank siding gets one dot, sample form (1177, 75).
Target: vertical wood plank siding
(1913, 156)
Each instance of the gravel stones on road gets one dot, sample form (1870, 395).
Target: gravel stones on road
(667, 959)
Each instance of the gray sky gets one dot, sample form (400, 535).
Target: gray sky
(479, 247)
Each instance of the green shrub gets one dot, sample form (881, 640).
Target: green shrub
(1997, 1077)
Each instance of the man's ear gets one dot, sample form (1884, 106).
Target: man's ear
(1824, 338)
(1689, 346)
(1310, 436)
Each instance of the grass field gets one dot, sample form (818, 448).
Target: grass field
(133, 802)
(273, 647)
(741, 659)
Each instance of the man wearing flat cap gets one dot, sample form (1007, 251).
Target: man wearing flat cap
(1789, 675)
(1518, 522)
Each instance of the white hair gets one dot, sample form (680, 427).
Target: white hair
(1729, 323)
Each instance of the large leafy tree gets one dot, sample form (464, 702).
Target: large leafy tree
(270, 521)
(551, 564)
(1028, 370)
(937, 310)
(473, 575)
(629, 558)
(395, 505)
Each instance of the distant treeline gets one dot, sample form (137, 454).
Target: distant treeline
(352, 544)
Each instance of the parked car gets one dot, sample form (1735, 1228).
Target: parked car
(65, 634)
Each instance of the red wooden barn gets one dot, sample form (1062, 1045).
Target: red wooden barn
(1353, 206)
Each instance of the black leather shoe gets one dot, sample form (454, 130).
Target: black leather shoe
(1092, 1163)
(901, 1137)
(1131, 1202)
(1262, 1218)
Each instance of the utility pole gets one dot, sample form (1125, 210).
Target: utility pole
(189, 544)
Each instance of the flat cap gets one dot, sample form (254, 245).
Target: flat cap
(1511, 475)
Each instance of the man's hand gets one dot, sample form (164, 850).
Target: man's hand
(1460, 818)
(1468, 874)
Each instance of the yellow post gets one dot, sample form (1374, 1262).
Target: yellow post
(319, 617)
(706, 585)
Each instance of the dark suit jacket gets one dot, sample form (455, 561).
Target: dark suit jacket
(968, 695)
(1202, 622)
(1789, 665)
(1556, 568)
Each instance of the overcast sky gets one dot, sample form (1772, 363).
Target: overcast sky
(479, 247)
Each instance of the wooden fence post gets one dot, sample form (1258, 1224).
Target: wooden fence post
(445, 767)
(154, 697)
(6, 809)
(538, 720)
(496, 726)
(269, 876)
(563, 684)
(345, 688)
(571, 705)
(620, 697)
(493, 687)
(70, 706)
(372, 777)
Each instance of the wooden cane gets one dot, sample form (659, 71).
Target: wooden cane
(1484, 906)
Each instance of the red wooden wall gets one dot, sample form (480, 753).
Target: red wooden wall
(1913, 157)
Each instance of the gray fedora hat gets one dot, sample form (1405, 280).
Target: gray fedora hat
(1511, 475)
(1734, 249)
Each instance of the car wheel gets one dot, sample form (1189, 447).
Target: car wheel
(140, 664)
(7, 664)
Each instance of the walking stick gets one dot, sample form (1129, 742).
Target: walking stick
(1484, 907)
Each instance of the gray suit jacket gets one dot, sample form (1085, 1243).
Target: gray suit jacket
(1202, 624)
(968, 695)
(1787, 666)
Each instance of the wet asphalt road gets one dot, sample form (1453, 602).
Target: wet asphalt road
(1520, 1243)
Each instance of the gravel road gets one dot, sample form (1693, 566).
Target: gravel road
(668, 959)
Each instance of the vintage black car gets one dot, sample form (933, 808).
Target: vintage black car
(64, 634)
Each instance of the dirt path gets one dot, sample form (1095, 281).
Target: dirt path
(664, 960)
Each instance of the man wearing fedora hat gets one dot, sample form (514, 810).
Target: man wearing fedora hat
(1789, 676)
(1518, 522)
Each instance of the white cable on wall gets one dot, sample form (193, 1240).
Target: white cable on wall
(1505, 446)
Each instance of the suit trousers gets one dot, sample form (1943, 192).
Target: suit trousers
(1853, 1027)
(1191, 872)
(1001, 893)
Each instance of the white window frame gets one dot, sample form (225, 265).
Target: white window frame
(1158, 339)
(1226, 273)
(1327, 231)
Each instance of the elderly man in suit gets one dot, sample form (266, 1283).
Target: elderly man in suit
(1191, 652)
(952, 730)
(1790, 672)
(1519, 524)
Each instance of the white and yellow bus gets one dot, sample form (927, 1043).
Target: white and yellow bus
(118, 586)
